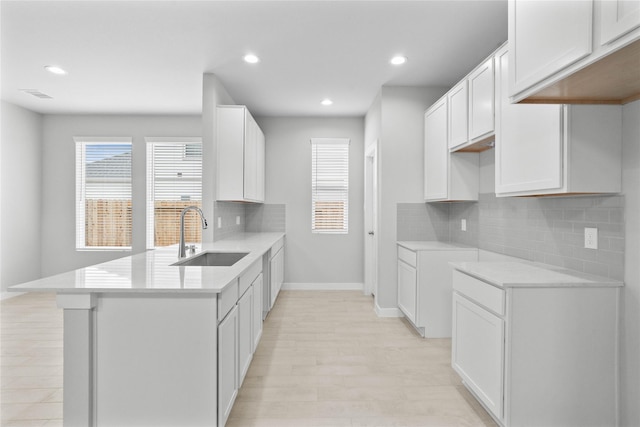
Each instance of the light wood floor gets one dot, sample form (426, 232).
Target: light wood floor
(325, 359)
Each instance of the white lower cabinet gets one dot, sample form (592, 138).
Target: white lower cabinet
(239, 333)
(407, 290)
(245, 335)
(424, 284)
(256, 331)
(227, 365)
(478, 350)
(537, 353)
(276, 272)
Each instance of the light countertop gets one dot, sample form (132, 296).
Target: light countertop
(529, 274)
(152, 271)
(434, 246)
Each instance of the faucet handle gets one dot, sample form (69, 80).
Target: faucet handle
(192, 249)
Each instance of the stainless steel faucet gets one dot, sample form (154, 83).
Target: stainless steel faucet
(182, 247)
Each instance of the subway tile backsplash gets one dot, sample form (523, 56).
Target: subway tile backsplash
(254, 217)
(422, 221)
(549, 230)
(265, 217)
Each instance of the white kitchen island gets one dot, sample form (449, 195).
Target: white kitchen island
(151, 344)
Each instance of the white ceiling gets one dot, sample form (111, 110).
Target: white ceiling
(149, 56)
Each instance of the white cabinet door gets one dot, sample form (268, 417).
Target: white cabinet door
(481, 101)
(277, 274)
(260, 165)
(618, 17)
(245, 335)
(227, 365)
(407, 290)
(477, 351)
(256, 329)
(546, 37)
(436, 152)
(458, 105)
(251, 159)
(529, 140)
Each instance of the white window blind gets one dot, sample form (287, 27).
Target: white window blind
(330, 185)
(103, 193)
(174, 181)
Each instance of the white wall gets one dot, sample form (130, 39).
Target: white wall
(213, 94)
(314, 258)
(630, 342)
(400, 112)
(58, 174)
(21, 194)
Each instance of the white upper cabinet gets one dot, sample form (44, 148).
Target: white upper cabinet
(458, 110)
(436, 152)
(481, 101)
(447, 176)
(548, 36)
(574, 52)
(241, 148)
(617, 18)
(555, 149)
(471, 110)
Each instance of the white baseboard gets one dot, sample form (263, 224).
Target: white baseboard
(322, 286)
(7, 295)
(388, 312)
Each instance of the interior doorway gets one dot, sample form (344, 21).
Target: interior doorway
(371, 220)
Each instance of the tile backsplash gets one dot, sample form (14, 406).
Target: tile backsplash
(549, 230)
(265, 217)
(422, 221)
(254, 217)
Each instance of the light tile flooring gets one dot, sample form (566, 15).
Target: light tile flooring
(325, 359)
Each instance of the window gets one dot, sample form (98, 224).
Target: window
(330, 185)
(103, 193)
(174, 181)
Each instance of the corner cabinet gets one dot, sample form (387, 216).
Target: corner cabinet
(582, 51)
(424, 284)
(447, 176)
(241, 155)
(555, 149)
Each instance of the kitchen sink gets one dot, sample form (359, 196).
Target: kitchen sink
(212, 259)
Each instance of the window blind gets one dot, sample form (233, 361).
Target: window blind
(330, 185)
(103, 193)
(174, 181)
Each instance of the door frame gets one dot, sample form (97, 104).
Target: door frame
(371, 209)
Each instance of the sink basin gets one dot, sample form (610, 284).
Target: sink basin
(212, 259)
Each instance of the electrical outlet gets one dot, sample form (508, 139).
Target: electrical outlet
(219, 222)
(463, 225)
(591, 238)
(237, 219)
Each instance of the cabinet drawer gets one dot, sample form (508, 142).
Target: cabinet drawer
(407, 256)
(227, 299)
(481, 292)
(247, 278)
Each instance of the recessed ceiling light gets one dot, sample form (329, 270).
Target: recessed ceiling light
(398, 60)
(326, 102)
(251, 59)
(55, 70)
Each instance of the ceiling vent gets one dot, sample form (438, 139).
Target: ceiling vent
(36, 93)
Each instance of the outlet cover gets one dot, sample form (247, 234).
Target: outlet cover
(590, 238)
(219, 222)
(463, 225)
(237, 219)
